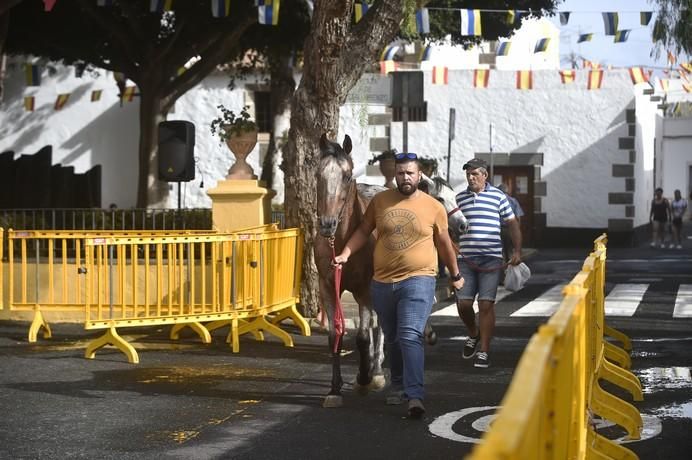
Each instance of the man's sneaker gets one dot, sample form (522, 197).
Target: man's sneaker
(395, 397)
(471, 346)
(481, 360)
(415, 408)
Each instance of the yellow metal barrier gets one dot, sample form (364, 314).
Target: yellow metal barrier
(546, 412)
(45, 271)
(233, 279)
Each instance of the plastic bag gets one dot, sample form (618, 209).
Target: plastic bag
(516, 276)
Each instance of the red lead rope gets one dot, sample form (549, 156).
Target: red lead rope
(338, 309)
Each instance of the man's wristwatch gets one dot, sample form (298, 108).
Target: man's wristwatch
(456, 277)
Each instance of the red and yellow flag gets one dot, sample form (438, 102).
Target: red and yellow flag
(480, 78)
(61, 101)
(687, 87)
(129, 94)
(524, 79)
(440, 75)
(595, 79)
(29, 102)
(567, 76)
(638, 75)
(686, 67)
(665, 84)
(387, 66)
(672, 59)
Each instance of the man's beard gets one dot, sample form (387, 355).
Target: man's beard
(408, 192)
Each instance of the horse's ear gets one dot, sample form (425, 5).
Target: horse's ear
(347, 144)
(324, 143)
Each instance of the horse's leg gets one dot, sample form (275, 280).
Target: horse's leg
(334, 398)
(370, 375)
(430, 334)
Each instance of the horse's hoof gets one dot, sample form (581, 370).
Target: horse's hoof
(331, 401)
(377, 383)
(361, 389)
(431, 338)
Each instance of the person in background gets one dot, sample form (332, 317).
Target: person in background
(410, 225)
(659, 216)
(678, 208)
(480, 258)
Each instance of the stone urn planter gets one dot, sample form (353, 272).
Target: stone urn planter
(241, 144)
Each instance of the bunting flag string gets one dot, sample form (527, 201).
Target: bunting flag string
(638, 75)
(584, 38)
(426, 53)
(220, 8)
(389, 53)
(480, 78)
(567, 76)
(268, 14)
(610, 22)
(524, 79)
(595, 79)
(29, 102)
(513, 17)
(564, 18)
(440, 75)
(503, 49)
(471, 22)
(61, 101)
(422, 21)
(541, 45)
(665, 84)
(359, 9)
(645, 17)
(671, 59)
(687, 87)
(621, 36)
(32, 75)
(129, 94)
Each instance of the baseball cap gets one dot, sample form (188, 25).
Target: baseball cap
(475, 163)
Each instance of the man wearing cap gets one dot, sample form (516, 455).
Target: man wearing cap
(481, 262)
(410, 225)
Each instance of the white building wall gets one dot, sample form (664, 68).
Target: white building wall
(576, 130)
(676, 158)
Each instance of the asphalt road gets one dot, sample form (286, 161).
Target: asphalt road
(189, 400)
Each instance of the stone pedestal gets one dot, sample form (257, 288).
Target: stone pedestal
(240, 203)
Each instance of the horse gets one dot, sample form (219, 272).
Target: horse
(341, 204)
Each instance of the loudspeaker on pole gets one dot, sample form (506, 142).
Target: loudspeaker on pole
(176, 151)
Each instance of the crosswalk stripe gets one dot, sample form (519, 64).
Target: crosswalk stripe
(624, 299)
(451, 309)
(683, 302)
(544, 305)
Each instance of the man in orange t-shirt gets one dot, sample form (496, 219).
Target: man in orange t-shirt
(410, 225)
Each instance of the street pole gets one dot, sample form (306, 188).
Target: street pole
(450, 137)
(492, 160)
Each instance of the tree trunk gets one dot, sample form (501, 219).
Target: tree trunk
(150, 190)
(335, 58)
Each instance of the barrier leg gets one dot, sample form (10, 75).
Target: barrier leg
(619, 336)
(233, 334)
(201, 331)
(616, 410)
(258, 335)
(617, 355)
(261, 323)
(111, 337)
(292, 313)
(227, 322)
(36, 324)
(598, 447)
(622, 378)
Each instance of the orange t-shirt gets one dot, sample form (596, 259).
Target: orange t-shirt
(405, 229)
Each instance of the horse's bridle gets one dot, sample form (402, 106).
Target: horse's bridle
(341, 210)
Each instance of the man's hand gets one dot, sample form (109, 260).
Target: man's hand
(340, 259)
(458, 284)
(516, 258)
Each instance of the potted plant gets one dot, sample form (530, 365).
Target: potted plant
(239, 132)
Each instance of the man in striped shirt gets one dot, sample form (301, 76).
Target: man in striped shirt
(480, 261)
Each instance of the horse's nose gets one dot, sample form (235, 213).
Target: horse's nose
(328, 226)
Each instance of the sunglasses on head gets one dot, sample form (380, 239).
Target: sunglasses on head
(405, 156)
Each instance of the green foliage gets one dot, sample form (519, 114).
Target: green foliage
(228, 123)
(673, 27)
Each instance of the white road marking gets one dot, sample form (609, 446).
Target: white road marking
(683, 302)
(624, 299)
(451, 309)
(544, 305)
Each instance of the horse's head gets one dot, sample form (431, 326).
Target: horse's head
(334, 181)
(439, 189)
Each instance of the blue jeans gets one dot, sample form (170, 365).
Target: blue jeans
(402, 311)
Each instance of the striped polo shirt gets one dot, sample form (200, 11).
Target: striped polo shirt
(483, 211)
